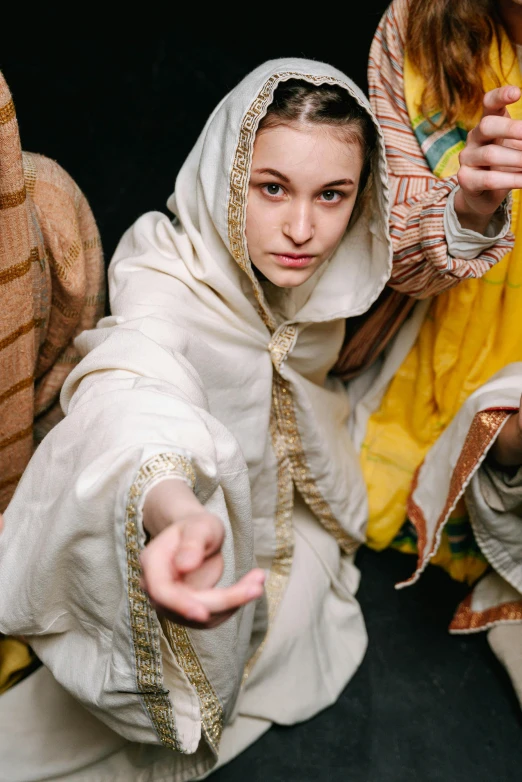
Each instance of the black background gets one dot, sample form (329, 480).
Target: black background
(119, 108)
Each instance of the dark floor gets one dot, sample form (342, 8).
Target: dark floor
(425, 706)
(120, 109)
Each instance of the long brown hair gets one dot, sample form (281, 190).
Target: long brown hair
(448, 42)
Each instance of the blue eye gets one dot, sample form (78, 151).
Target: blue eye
(330, 195)
(273, 190)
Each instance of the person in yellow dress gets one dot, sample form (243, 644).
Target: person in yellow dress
(444, 81)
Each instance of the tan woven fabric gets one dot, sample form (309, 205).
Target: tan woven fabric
(51, 288)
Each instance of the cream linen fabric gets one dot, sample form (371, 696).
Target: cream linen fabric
(499, 541)
(194, 376)
(456, 466)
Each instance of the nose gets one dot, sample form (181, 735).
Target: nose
(299, 223)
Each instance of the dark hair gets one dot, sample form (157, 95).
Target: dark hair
(297, 100)
(448, 42)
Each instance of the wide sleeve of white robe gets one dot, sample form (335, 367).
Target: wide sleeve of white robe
(136, 413)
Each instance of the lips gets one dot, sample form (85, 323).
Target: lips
(294, 261)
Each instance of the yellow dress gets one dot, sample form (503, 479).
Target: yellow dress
(471, 331)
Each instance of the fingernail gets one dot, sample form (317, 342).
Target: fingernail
(513, 94)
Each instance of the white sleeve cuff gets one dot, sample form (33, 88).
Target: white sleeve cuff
(467, 244)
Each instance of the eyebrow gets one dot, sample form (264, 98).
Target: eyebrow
(273, 172)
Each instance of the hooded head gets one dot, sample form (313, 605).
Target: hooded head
(287, 183)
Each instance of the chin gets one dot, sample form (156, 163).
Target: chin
(291, 279)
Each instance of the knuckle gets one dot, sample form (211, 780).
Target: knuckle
(488, 180)
(489, 155)
(485, 125)
(464, 178)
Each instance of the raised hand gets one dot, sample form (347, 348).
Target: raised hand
(183, 562)
(491, 162)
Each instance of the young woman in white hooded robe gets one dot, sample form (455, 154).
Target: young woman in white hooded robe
(179, 552)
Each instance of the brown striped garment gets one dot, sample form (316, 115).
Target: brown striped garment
(421, 264)
(52, 287)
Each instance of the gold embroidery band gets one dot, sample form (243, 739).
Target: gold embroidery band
(211, 709)
(285, 435)
(282, 562)
(10, 200)
(144, 627)
(143, 621)
(301, 474)
(7, 113)
(468, 620)
(481, 434)
(239, 179)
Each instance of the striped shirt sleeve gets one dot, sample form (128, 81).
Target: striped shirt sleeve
(422, 264)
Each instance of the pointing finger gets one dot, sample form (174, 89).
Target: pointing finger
(495, 101)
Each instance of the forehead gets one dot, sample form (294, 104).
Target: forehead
(305, 150)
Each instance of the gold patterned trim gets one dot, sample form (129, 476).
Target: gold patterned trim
(468, 620)
(10, 200)
(211, 709)
(286, 417)
(239, 179)
(7, 113)
(481, 434)
(282, 562)
(282, 344)
(143, 620)
(286, 440)
(177, 636)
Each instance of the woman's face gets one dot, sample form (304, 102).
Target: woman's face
(303, 188)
